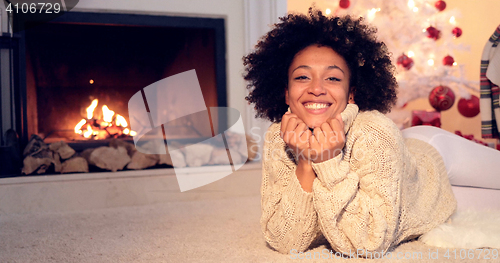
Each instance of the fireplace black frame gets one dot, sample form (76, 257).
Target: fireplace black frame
(217, 24)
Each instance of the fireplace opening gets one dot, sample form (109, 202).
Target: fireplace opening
(71, 66)
(78, 72)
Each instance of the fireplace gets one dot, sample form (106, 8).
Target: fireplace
(85, 60)
(83, 57)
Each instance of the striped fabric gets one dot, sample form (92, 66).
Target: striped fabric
(490, 79)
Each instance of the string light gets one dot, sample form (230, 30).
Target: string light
(411, 54)
(452, 20)
(411, 4)
(371, 13)
(328, 11)
(430, 62)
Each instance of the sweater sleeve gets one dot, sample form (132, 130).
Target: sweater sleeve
(289, 221)
(356, 195)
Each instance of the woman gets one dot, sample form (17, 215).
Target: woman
(333, 164)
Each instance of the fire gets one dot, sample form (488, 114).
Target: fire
(88, 132)
(129, 132)
(79, 126)
(91, 108)
(120, 121)
(107, 114)
(111, 125)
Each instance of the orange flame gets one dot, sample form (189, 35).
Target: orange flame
(88, 132)
(107, 114)
(84, 127)
(91, 108)
(120, 121)
(79, 126)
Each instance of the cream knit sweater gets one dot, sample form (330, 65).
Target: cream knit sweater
(380, 191)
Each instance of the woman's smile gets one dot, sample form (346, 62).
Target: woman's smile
(318, 85)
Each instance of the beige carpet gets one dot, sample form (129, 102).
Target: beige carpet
(209, 228)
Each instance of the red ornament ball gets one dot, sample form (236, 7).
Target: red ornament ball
(448, 61)
(457, 31)
(441, 98)
(469, 107)
(344, 4)
(405, 61)
(440, 5)
(433, 32)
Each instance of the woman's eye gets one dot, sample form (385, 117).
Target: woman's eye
(333, 79)
(301, 77)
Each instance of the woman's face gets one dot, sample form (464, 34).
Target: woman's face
(318, 85)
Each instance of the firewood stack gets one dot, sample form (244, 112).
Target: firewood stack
(39, 157)
(59, 157)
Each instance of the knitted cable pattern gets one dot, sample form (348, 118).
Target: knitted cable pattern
(380, 191)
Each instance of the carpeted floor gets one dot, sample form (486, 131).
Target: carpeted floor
(202, 229)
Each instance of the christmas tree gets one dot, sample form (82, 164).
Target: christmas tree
(421, 35)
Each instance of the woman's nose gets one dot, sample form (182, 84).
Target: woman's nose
(316, 88)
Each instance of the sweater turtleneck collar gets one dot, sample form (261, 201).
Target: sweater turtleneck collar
(348, 116)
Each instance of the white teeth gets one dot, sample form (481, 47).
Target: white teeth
(316, 106)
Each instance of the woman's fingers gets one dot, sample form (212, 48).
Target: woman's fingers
(292, 128)
(319, 135)
(288, 123)
(323, 143)
(304, 139)
(337, 126)
(298, 133)
(327, 140)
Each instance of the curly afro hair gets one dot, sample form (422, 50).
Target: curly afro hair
(266, 68)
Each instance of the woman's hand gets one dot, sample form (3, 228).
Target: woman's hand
(296, 135)
(327, 141)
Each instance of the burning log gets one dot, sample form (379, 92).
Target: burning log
(111, 125)
(109, 158)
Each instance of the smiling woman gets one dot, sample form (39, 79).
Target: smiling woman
(333, 164)
(318, 85)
